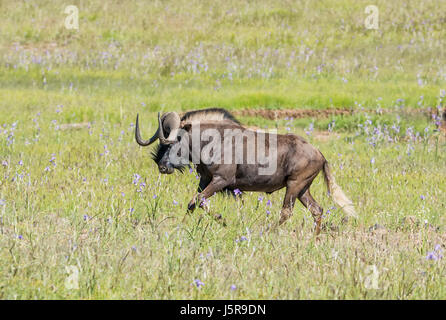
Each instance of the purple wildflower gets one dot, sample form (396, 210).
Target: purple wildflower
(400, 102)
(198, 283)
(237, 192)
(136, 178)
(439, 251)
(436, 254)
(204, 202)
(310, 129)
(106, 151)
(233, 287)
(431, 256)
(242, 238)
(56, 126)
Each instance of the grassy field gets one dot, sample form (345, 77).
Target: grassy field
(90, 203)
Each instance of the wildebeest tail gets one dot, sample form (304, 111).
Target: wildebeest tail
(337, 194)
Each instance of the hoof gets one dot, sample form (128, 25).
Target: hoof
(220, 219)
(191, 207)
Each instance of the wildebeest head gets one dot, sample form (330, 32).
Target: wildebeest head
(168, 125)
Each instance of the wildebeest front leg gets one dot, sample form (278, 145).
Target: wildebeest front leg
(204, 182)
(217, 184)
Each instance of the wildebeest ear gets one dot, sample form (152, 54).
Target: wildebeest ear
(187, 127)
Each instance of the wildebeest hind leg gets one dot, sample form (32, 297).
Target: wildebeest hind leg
(292, 191)
(298, 188)
(315, 209)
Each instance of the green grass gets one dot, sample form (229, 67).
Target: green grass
(83, 208)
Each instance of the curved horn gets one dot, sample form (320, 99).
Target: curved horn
(171, 122)
(141, 142)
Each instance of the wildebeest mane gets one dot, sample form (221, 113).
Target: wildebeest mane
(158, 152)
(213, 114)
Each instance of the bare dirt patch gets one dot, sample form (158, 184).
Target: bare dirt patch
(274, 114)
(325, 135)
(295, 113)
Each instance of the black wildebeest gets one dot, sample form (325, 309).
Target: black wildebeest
(298, 162)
